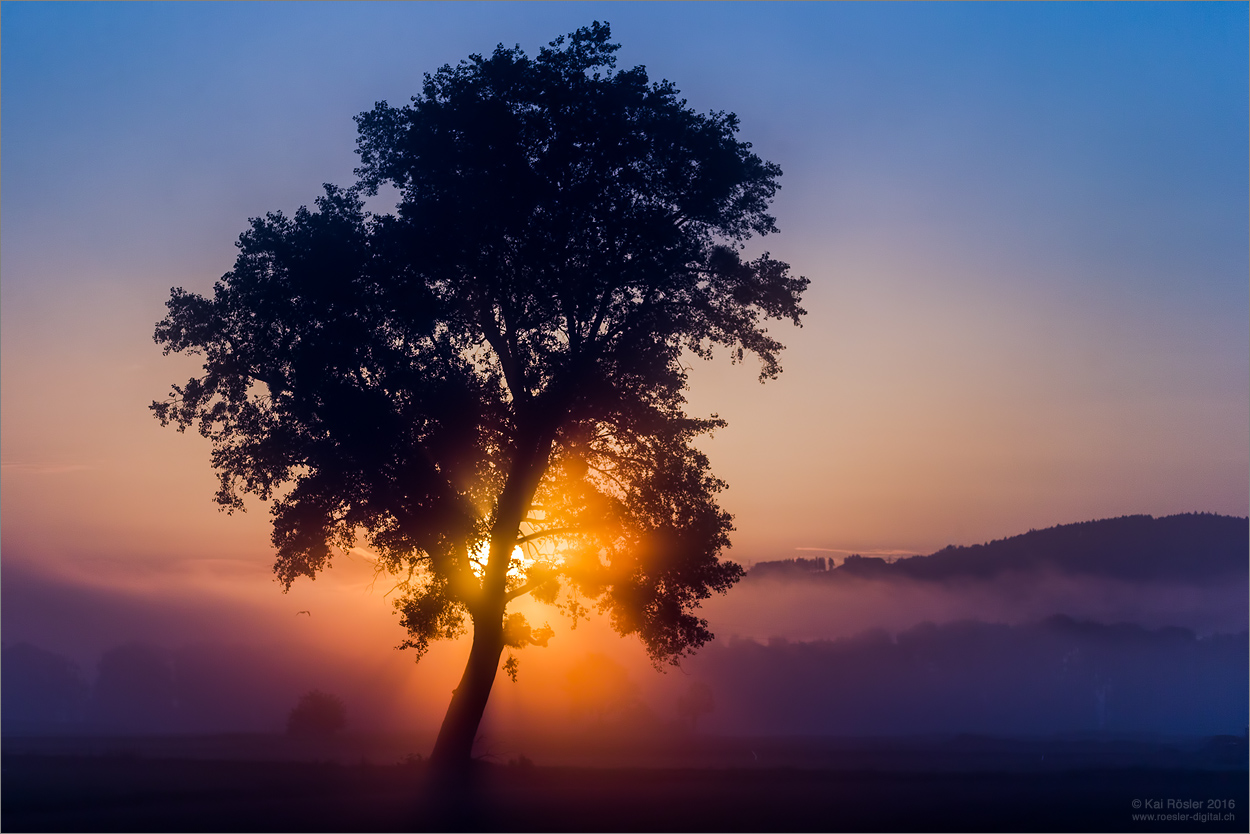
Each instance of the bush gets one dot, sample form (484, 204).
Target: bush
(317, 714)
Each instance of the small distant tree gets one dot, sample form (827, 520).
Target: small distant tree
(317, 714)
(488, 385)
(696, 701)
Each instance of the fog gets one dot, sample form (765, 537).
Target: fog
(1056, 676)
(791, 657)
(818, 610)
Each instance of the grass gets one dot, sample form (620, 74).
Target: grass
(135, 793)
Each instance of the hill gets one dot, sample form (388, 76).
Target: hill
(1193, 547)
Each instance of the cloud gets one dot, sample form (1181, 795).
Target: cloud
(862, 552)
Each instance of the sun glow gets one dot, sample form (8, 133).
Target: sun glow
(521, 561)
(360, 551)
(524, 556)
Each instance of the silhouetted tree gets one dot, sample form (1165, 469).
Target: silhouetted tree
(317, 714)
(488, 385)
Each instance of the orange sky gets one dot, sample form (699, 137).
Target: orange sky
(1028, 301)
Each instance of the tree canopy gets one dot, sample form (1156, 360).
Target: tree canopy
(487, 385)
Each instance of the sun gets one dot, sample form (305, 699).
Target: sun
(520, 563)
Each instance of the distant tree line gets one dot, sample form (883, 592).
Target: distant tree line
(143, 688)
(41, 689)
(1056, 676)
(790, 567)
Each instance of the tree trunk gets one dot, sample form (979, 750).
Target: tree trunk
(454, 748)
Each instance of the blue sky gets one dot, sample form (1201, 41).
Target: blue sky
(1025, 225)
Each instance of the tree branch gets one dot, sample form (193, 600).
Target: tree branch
(511, 370)
(554, 531)
(527, 587)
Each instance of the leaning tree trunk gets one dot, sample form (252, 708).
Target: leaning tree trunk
(454, 748)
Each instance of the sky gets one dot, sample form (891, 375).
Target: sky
(1025, 226)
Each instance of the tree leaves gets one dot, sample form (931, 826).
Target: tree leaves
(498, 364)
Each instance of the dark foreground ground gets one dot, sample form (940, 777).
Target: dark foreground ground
(136, 792)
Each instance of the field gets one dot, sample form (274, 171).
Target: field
(955, 784)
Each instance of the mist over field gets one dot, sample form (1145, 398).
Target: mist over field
(795, 610)
(990, 503)
(1060, 645)
(1054, 676)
